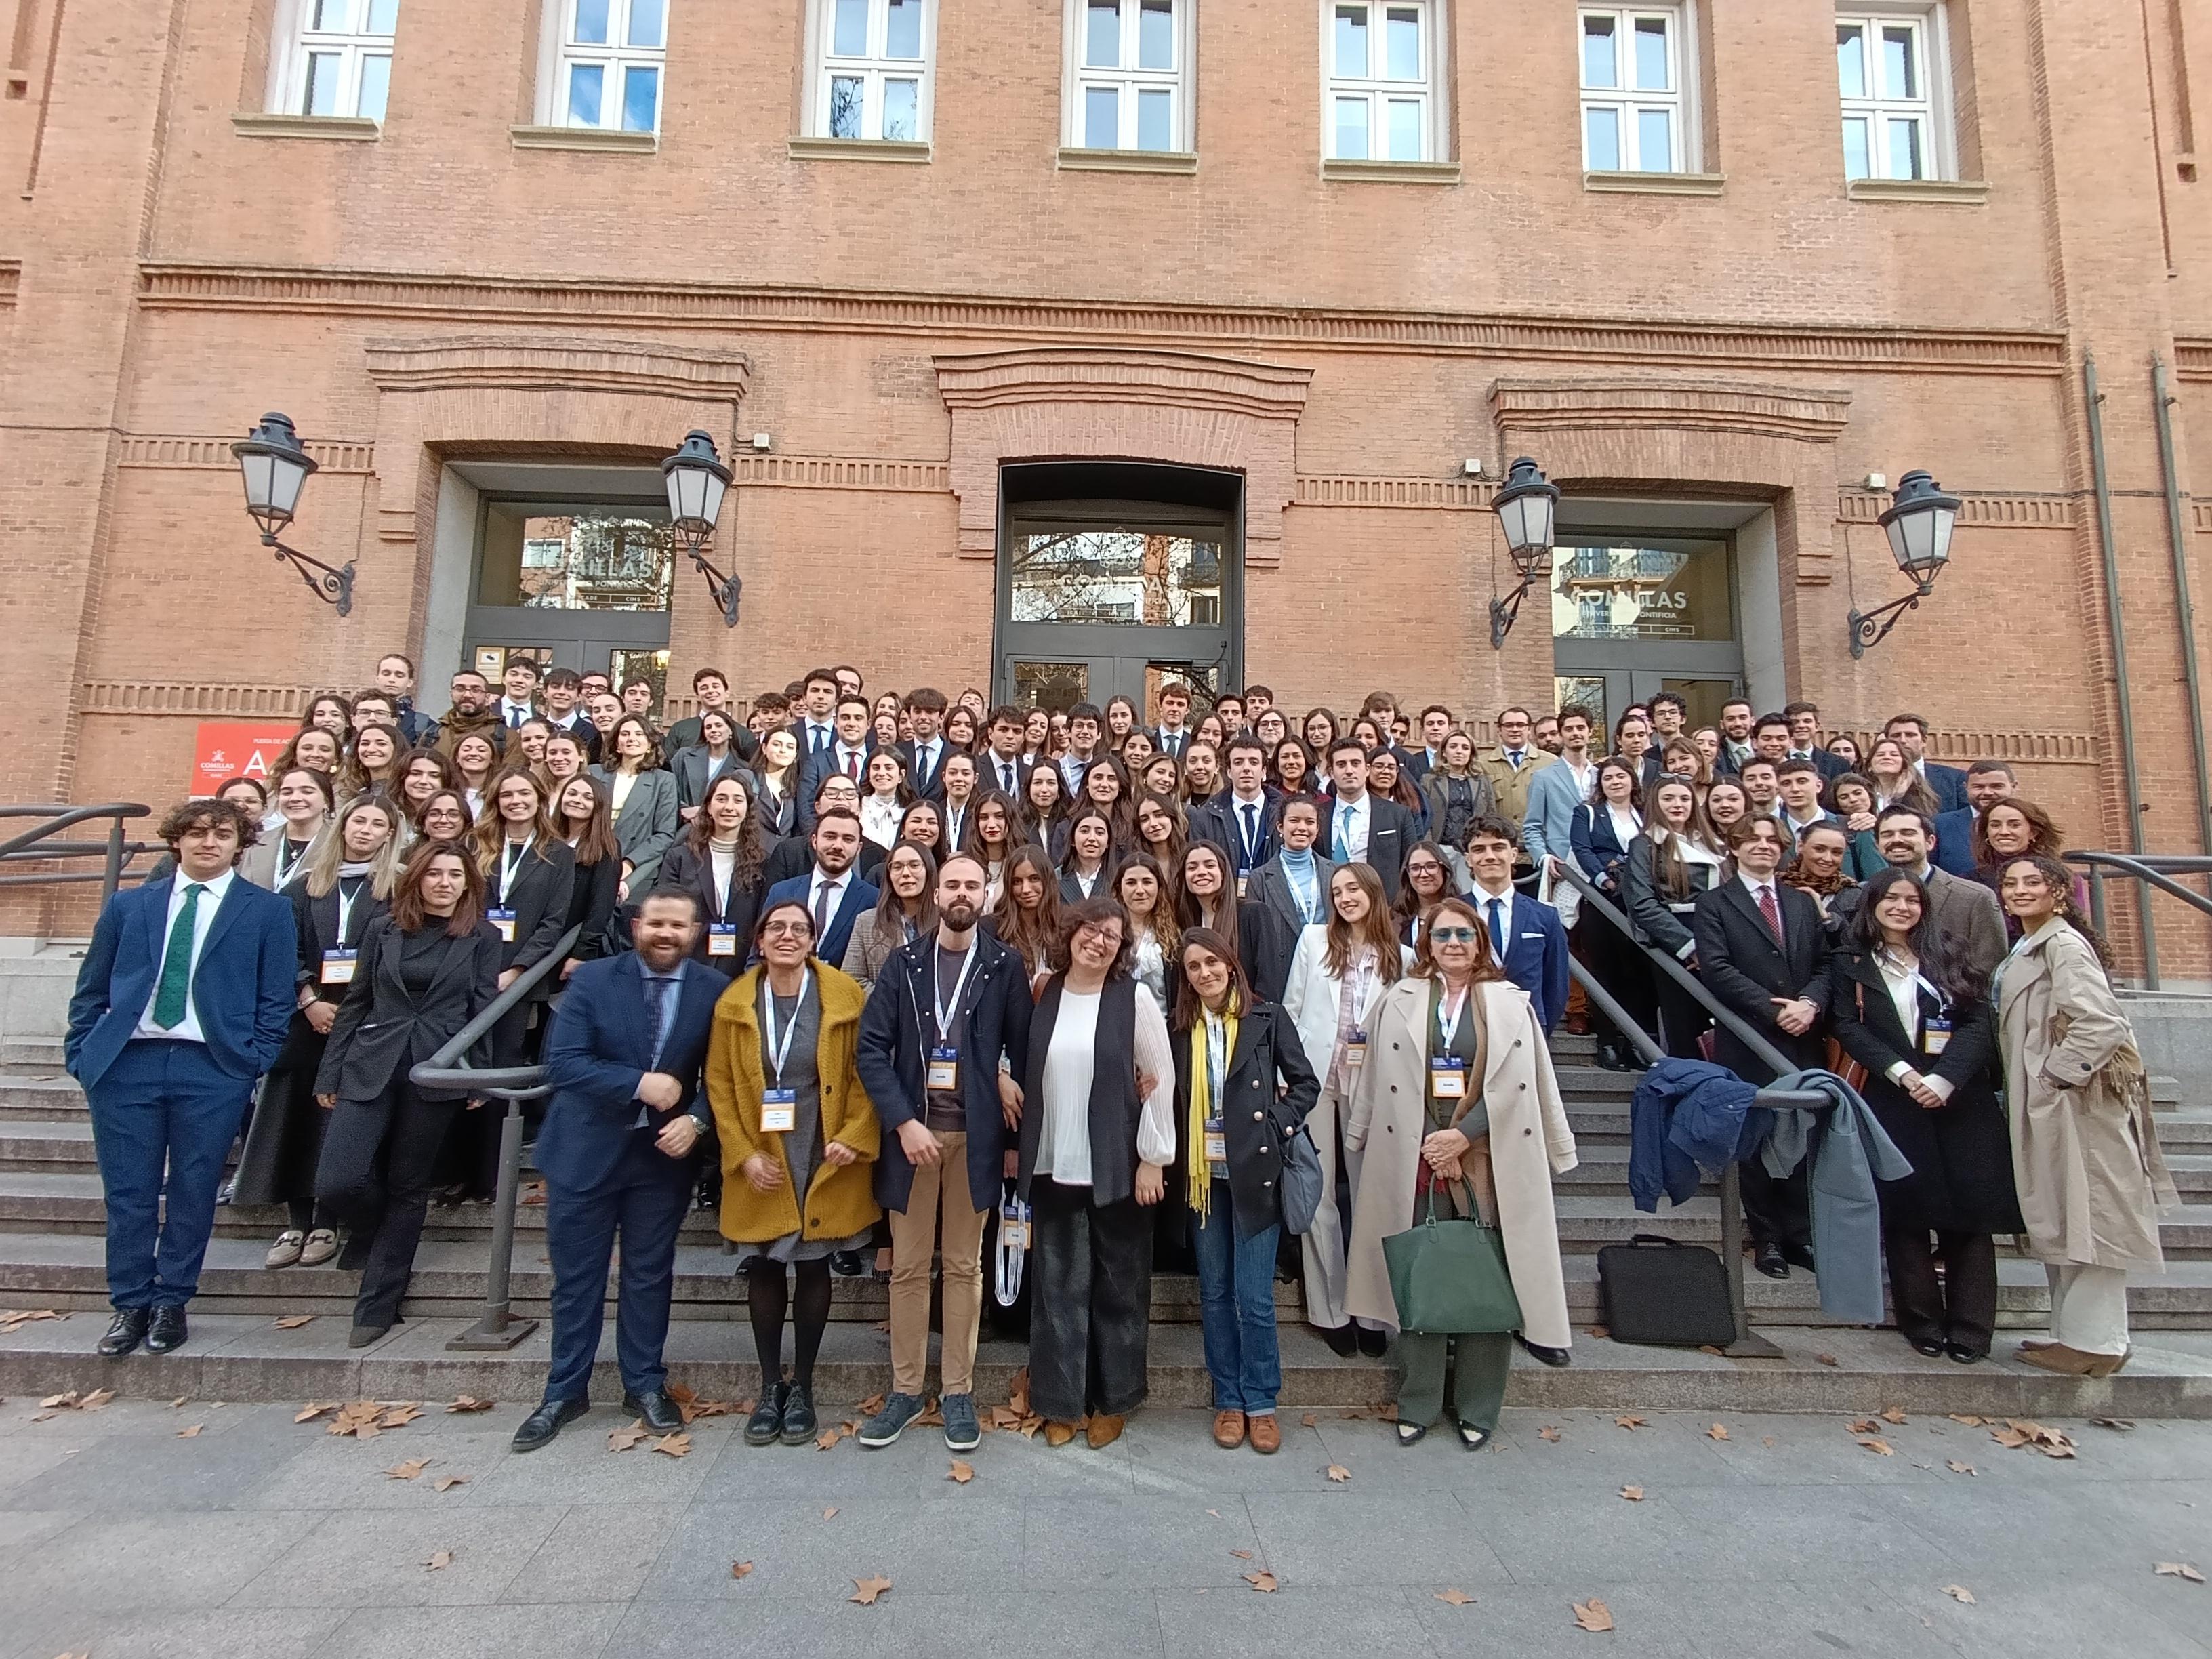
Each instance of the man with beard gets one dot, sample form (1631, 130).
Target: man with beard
(947, 1009)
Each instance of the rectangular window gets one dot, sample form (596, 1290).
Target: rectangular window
(1890, 74)
(1129, 84)
(1382, 84)
(873, 76)
(1634, 69)
(612, 53)
(341, 58)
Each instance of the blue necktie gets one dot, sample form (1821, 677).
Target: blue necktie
(1498, 930)
(1251, 834)
(657, 1005)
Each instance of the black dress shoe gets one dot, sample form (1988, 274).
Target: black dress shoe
(1374, 1344)
(1799, 1255)
(846, 1264)
(541, 1425)
(1343, 1339)
(766, 1422)
(1611, 1058)
(1961, 1354)
(1769, 1260)
(799, 1423)
(361, 1335)
(660, 1413)
(125, 1332)
(166, 1331)
(1557, 1358)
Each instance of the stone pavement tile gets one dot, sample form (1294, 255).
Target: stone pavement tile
(2152, 1450)
(796, 1553)
(332, 1472)
(1821, 1448)
(1184, 1540)
(1537, 1621)
(374, 1557)
(1008, 1463)
(120, 1417)
(2059, 1528)
(1171, 1452)
(217, 1633)
(1796, 1617)
(568, 1631)
(578, 1468)
(911, 1620)
(2034, 1615)
(119, 1563)
(24, 1456)
(1359, 1539)
(1239, 1622)
(599, 1553)
(141, 1473)
(1571, 1534)
(901, 1469)
(1794, 1533)
(1593, 1451)
(27, 1529)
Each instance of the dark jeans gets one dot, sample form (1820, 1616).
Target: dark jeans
(379, 1158)
(645, 1200)
(164, 1105)
(1091, 1313)
(1236, 1308)
(1960, 1307)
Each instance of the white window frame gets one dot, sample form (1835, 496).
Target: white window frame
(1929, 24)
(1628, 101)
(298, 44)
(1378, 89)
(557, 56)
(1182, 81)
(826, 65)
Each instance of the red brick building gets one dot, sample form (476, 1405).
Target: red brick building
(1006, 289)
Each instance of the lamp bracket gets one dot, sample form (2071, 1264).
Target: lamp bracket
(1504, 613)
(725, 591)
(331, 584)
(1868, 628)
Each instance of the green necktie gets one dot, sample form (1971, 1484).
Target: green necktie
(176, 981)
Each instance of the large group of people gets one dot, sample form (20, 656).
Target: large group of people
(920, 975)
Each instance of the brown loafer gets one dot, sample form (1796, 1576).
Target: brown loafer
(1104, 1429)
(1228, 1429)
(1059, 1434)
(1266, 1434)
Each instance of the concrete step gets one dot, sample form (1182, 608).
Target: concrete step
(33, 1098)
(46, 1144)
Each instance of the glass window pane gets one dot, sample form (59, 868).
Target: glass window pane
(383, 17)
(332, 17)
(1352, 42)
(1601, 66)
(591, 27)
(599, 559)
(1899, 74)
(1653, 73)
(1629, 592)
(1156, 36)
(1402, 34)
(902, 101)
(324, 69)
(648, 23)
(1114, 574)
(847, 99)
(1406, 129)
(1857, 162)
(586, 87)
(376, 85)
(849, 31)
(1352, 129)
(1905, 158)
(1654, 141)
(1155, 119)
(1601, 140)
(905, 36)
(1850, 60)
(640, 99)
(1102, 117)
(1102, 34)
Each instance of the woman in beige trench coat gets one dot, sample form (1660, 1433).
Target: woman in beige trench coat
(2085, 1153)
(1513, 1126)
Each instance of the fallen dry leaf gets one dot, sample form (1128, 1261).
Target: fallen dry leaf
(1716, 1353)
(1634, 1494)
(1600, 1332)
(630, 1434)
(1767, 1440)
(440, 1561)
(1593, 1614)
(1547, 1433)
(2123, 1424)
(408, 1470)
(1216, 1514)
(739, 1569)
(191, 1432)
(830, 1513)
(1957, 1468)
(1310, 1420)
(1242, 1555)
(674, 1445)
(1827, 1359)
(2179, 1570)
(1879, 1447)
(1863, 1426)
(1018, 1391)
(1263, 1582)
(828, 1437)
(293, 1321)
(1718, 1431)
(1971, 1422)
(865, 1591)
(399, 1415)
(178, 1402)
(931, 1417)
(1894, 1415)
(1339, 1473)
(961, 1473)
(1387, 1410)
(534, 1193)
(1630, 1423)
(871, 1406)
(315, 1409)
(2019, 1432)
(469, 1402)
(40, 1417)
(1960, 1593)
(447, 1482)
(1454, 1598)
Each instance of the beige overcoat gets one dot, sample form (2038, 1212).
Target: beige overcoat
(2085, 1154)
(1529, 1142)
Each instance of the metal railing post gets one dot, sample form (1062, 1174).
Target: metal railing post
(497, 1330)
(115, 877)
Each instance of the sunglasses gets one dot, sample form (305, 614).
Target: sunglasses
(1452, 935)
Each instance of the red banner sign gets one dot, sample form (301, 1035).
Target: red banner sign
(230, 749)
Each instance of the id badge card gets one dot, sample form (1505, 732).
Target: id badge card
(779, 1111)
(1217, 1146)
(944, 1071)
(338, 967)
(1243, 881)
(1355, 1048)
(1013, 1230)
(722, 939)
(1934, 1036)
(504, 921)
(1448, 1076)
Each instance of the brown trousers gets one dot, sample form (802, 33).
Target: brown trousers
(939, 1191)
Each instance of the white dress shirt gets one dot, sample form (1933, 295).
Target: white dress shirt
(1064, 1143)
(834, 885)
(186, 1030)
(513, 714)
(1347, 830)
(925, 760)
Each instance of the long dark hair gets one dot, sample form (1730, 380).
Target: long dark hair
(595, 833)
(971, 834)
(2056, 876)
(1113, 841)
(1011, 925)
(1190, 1006)
(752, 845)
(890, 918)
(1953, 977)
(407, 912)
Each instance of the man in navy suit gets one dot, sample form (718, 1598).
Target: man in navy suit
(1910, 732)
(1242, 820)
(848, 754)
(1526, 937)
(1987, 782)
(1172, 735)
(623, 1059)
(1804, 720)
(186, 997)
(925, 756)
(1358, 827)
(833, 892)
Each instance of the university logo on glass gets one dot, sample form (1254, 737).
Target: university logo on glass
(1641, 593)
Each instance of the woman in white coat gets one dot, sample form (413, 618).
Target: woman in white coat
(1339, 971)
(1459, 1085)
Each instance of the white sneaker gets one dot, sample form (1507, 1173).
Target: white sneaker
(286, 1250)
(322, 1245)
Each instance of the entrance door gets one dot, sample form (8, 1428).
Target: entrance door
(580, 583)
(1631, 618)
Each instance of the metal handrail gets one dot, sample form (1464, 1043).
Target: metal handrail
(116, 851)
(495, 1328)
(2155, 870)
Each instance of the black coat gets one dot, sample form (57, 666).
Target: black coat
(1740, 963)
(1961, 1154)
(1391, 833)
(591, 907)
(1647, 901)
(1269, 1088)
(695, 873)
(381, 1029)
(539, 895)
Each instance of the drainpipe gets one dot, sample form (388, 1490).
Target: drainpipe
(2185, 613)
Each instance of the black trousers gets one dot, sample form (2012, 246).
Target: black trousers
(1620, 968)
(1090, 1317)
(379, 1158)
(1682, 1018)
(1777, 1209)
(1961, 1307)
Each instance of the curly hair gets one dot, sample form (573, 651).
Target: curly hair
(186, 817)
(2060, 880)
(1085, 913)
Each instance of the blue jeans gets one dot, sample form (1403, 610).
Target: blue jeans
(163, 1117)
(1236, 1308)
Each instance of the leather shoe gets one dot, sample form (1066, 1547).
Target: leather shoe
(1374, 1344)
(541, 1425)
(846, 1264)
(1266, 1434)
(766, 1422)
(167, 1330)
(1343, 1340)
(1228, 1429)
(1105, 1429)
(1057, 1433)
(661, 1414)
(125, 1332)
(1799, 1255)
(799, 1423)
(1557, 1358)
(1768, 1260)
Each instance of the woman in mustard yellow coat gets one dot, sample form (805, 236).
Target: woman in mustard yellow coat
(799, 1135)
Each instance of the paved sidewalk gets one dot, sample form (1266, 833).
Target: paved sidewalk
(259, 1538)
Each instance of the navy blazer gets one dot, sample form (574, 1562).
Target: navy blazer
(1221, 821)
(932, 786)
(1535, 953)
(859, 899)
(1954, 843)
(1391, 833)
(1949, 784)
(601, 1044)
(1597, 849)
(812, 768)
(900, 1020)
(244, 990)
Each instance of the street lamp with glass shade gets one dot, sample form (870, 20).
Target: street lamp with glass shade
(1528, 507)
(697, 480)
(1919, 524)
(275, 467)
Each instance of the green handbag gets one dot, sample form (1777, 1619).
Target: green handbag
(1448, 1277)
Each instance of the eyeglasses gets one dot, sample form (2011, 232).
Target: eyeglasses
(1451, 935)
(777, 928)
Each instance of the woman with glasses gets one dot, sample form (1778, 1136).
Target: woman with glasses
(1428, 881)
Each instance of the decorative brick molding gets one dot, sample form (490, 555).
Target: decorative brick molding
(2192, 359)
(2038, 748)
(1433, 495)
(1764, 412)
(178, 454)
(581, 364)
(200, 700)
(1108, 404)
(840, 472)
(2017, 511)
(2201, 516)
(11, 278)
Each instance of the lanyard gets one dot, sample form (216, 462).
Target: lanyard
(346, 902)
(947, 1011)
(720, 883)
(772, 1052)
(510, 859)
(285, 865)
(1216, 1061)
(1448, 1013)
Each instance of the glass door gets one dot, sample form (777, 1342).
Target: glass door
(577, 583)
(1635, 615)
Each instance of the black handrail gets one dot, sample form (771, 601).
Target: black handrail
(28, 845)
(2153, 870)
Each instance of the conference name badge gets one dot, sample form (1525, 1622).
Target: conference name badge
(1013, 1230)
(338, 967)
(1447, 1077)
(1243, 882)
(1217, 1146)
(504, 921)
(779, 1111)
(1935, 1037)
(722, 939)
(944, 1070)
(1355, 1048)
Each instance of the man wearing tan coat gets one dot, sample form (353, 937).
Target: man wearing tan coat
(1510, 767)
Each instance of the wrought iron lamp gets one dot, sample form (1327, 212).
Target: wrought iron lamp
(697, 480)
(1919, 524)
(1527, 504)
(276, 469)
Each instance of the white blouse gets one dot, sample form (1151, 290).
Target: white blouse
(879, 819)
(1064, 1142)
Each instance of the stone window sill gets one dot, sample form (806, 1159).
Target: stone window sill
(355, 129)
(1393, 173)
(1655, 184)
(1128, 161)
(1955, 192)
(585, 138)
(857, 149)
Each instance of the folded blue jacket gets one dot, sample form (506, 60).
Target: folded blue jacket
(1689, 1120)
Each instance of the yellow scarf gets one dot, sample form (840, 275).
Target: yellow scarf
(1198, 1171)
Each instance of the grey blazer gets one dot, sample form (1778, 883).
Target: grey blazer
(695, 774)
(257, 863)
(646, 827)
(1270, 887)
